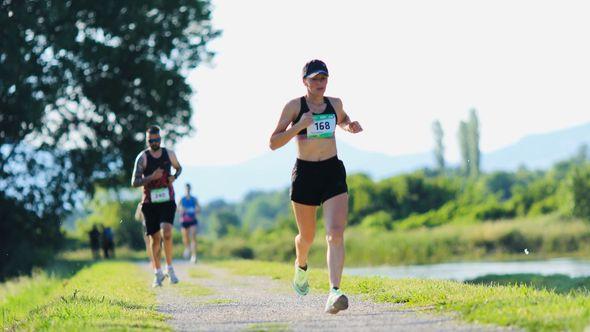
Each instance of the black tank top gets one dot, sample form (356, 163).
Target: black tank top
(151, 165)
(304, 108)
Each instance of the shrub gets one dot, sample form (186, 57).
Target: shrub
(379, 220)
(232, 247)
(579, 186)
(494, 211)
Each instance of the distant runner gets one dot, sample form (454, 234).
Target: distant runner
(94, 236)
(152, 172)
(189, 208)
(318, 178)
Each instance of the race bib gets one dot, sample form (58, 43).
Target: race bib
(323, 126)
(160, 195)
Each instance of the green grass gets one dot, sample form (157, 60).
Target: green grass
(108, 295)
(522, 306)
(558, 283)
(21, 295)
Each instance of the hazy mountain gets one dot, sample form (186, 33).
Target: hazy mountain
(272, 170)
(539, 151)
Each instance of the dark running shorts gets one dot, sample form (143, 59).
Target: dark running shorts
(314, 182)
(188, 224)
(156, 213)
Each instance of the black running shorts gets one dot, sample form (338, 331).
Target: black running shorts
(156, 213)
(189, 224)
(314, 182)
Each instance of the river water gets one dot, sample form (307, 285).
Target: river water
(470, 270)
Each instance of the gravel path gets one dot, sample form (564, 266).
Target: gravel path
(238, 303)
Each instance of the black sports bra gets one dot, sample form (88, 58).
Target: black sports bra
(304, 108)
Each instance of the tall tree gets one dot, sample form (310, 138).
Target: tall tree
(579, 187)
(439, 148)
(464, 147)
(582, 154)
(474, 152)
(80, 82)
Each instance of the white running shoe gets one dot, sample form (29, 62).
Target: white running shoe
(194, 259)
(158, 279)
(336, 301)
(170, 274)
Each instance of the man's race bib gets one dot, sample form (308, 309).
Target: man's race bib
(323, 126)
(160, 195)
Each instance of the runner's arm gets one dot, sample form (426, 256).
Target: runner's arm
(138, 212)
(175, 164)
(340, 113)
(282, 135)
(345, 123)
(138, 179)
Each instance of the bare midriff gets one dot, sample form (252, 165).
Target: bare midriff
(315, 149)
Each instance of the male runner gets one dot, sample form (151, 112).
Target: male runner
(152, 172)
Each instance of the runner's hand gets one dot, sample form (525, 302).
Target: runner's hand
(354, 127)
(306, 119)
(156, 174)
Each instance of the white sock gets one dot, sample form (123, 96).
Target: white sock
(168, 267)
(158, 271)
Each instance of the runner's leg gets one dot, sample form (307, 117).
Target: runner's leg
(186, 241)
(305, 216)
(156, 252)
(167, 235)
(193, 239)
(335, 215)
(148, 249)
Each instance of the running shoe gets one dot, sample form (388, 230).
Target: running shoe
(336, 301)
(300, 284)
(170, 274)
(158, 278)
(186, 253)
(194, 259)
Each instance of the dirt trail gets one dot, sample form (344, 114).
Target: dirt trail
(238, 303)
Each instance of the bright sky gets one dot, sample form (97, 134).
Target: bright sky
(397, 66)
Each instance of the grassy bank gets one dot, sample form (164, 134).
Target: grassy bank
(522, 306)
(21, 295)
(108, 295)
(544, 237)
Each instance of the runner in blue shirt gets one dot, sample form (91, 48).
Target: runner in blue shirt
(188, 208)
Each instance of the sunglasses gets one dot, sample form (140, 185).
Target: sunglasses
(154, 140)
